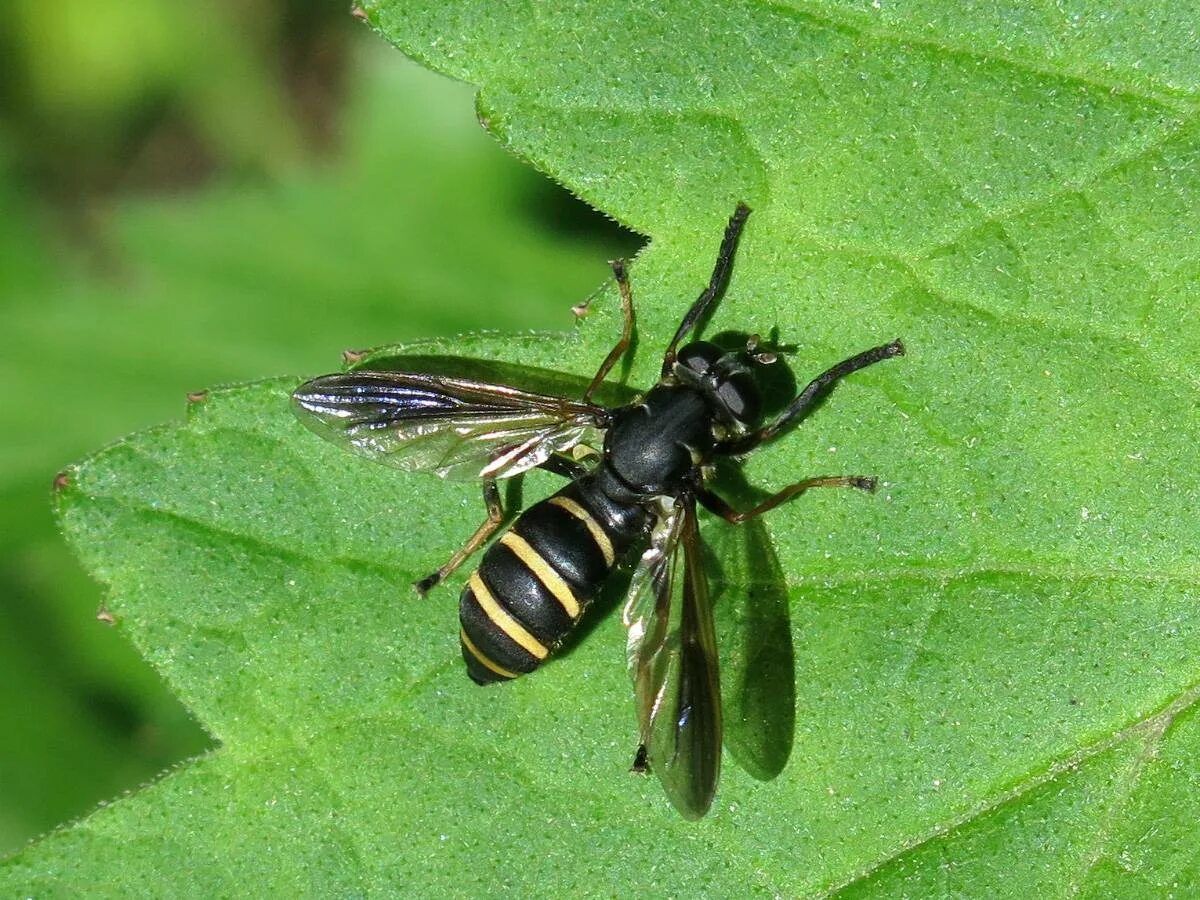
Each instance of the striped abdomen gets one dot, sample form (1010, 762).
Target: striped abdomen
(535, 582)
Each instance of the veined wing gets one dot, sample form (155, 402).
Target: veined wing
(455, 427)
(672, 658)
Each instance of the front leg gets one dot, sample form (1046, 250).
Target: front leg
(811, 395)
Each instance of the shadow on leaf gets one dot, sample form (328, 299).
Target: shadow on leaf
(753, 623)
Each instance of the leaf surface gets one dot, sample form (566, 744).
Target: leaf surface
(323, 257)
(995, 657)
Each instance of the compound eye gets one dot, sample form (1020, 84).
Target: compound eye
(699, 356)
(739, 395)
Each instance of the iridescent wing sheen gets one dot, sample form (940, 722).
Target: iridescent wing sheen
(672, 657)
(647, 616)
(454, 427)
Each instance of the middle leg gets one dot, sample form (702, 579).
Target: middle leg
(714, 503)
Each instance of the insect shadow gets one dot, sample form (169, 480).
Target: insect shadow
(751, 608)
(752, 616)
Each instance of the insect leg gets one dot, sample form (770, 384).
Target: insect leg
(558, 464)
(716, 284)
(627, 317)
(812, 394)
(564, 466)
(719, 506)
(495, 515)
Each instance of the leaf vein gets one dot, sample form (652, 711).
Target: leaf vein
(1154, 726)
(1169, 96)
(1131, 151)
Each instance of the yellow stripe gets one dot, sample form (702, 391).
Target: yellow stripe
(478, 654)
(543, 572)
(593, 527)
(503, 620)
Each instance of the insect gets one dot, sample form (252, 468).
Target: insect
(535, 582)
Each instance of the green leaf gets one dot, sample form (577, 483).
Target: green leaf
(330, 255)
(996, 656)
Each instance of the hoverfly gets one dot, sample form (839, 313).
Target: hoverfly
(535, 582)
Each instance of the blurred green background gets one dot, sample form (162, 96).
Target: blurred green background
(196, 194)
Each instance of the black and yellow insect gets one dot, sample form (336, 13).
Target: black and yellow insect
(535, 583)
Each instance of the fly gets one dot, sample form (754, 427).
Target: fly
(536, 581)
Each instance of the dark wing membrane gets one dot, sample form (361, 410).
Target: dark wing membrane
(454, 427)
(672, 655)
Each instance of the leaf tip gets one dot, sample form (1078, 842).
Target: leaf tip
(487, 118)
(365, 11)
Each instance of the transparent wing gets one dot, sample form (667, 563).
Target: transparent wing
(455, 427)
(647, 616)
(672, 656)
